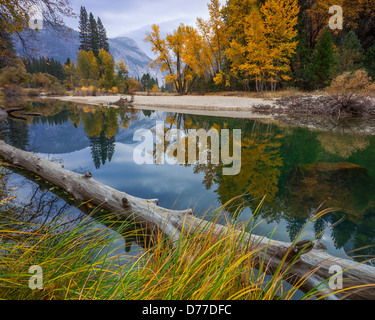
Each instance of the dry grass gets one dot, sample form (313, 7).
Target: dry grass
(264, 95)
(79, 263)
(244, 94)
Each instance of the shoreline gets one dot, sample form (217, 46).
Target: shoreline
(233, 107)
(240, 107)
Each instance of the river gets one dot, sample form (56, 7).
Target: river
(299, 170)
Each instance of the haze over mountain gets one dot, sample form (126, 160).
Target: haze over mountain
(47, 43)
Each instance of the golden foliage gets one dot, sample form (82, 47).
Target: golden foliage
(349, 83)
(87, 67)
(352, 91)
(214, 39)
(263, 41)
(175, 55)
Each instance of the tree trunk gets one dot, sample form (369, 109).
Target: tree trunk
(314, 261)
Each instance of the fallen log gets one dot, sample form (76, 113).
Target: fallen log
(313, 260)
(4, 113)
(11, 110)
(31, 114)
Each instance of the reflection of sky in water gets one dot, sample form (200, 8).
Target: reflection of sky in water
(182, 189)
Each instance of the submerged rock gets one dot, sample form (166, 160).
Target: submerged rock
(340, 185)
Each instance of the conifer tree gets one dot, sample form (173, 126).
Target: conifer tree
(84, 30)
(350, 54)
(323, 62)
(369, 61)
(102, 36)
(93, 35)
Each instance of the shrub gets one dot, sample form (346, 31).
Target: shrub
(57, 89)
(132, 85)
(43, 80)
(155, 89)
(353, 93)
(12, 91)
(47, 82)
(87, 91)
(14, 75)
(114, 90)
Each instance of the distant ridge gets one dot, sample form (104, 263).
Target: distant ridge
(61, 48)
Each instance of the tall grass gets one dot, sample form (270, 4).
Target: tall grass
(79, 262)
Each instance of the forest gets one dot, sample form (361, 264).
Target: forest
(259, 45)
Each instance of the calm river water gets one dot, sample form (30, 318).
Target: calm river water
(299, 170)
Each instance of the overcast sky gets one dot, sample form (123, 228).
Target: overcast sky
(133, 18)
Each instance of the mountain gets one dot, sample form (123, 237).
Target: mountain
(62, 47)
(127, 50)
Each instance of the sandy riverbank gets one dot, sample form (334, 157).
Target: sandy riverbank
(240, 107)
(233, 107)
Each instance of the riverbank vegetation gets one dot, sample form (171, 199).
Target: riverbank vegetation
(79, 262)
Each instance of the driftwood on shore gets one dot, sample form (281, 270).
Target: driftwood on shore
(124, 102)
(314, 260)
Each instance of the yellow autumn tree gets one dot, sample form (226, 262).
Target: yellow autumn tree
(70, 76)
(106, 68)
(179, 55)
(87, 68)
(122, 76)
(195, 54)
(214, 39)
(263, 50)
(252, 59)
(235, 13)
(280, 19)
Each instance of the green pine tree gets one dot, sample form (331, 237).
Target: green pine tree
(84, 30)
(102, 36)
(321, 69)
(349, 57)
(369, 61)
(93, 36)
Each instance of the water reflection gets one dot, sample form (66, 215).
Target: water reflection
(299, 170)
(29, 206)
